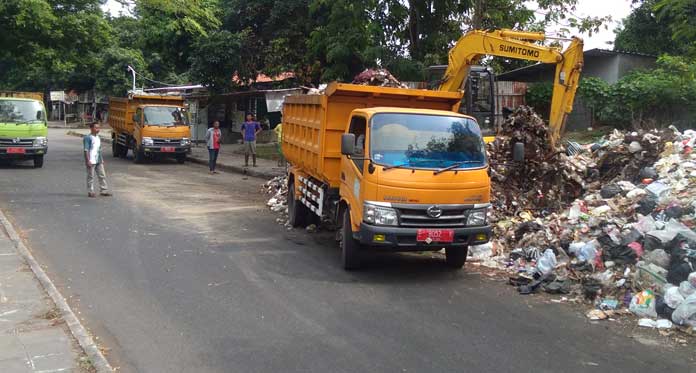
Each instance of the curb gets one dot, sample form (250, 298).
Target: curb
(225, 167)
(76, 328)
(77, 134)
(241, 170)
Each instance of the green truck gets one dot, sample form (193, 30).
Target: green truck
(23, 127)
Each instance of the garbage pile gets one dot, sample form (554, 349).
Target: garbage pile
(378, 77)
(547, 180)
(278, 189)
(612, 225)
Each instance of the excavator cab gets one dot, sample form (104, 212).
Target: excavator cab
(479, 98)
(479, 94)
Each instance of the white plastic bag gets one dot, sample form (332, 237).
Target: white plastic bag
(685, 314)
(643, 304)
(546, 262)
(673, 298)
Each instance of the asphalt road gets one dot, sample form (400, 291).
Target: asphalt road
(181, 271)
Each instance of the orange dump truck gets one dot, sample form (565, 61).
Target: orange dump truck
(396, 169)
(150, 126)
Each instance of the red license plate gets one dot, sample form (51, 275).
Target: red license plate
(435, 235)
(168, 149)
(16, 151)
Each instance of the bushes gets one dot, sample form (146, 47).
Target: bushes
(642, 99)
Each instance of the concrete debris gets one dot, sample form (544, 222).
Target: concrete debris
(378, 77)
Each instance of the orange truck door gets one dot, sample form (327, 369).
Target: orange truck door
(352, 170)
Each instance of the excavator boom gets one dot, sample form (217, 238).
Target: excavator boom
(519, 45)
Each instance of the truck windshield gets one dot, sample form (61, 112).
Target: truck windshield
(163, 116)
(426, 141)
(18, 111)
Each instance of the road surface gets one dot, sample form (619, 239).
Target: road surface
(181, 271)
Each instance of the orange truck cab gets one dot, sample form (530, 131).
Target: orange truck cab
(396, 169)
(150, 126)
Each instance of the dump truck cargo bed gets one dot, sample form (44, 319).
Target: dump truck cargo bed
(313, 124)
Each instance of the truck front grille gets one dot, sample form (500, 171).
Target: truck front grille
(417, 216)
(16, 142)
(166, 142)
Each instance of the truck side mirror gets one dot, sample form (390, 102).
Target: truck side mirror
(348, 144)
(135, 118)
(518, 152)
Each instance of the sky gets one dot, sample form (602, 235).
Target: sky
(618, 9)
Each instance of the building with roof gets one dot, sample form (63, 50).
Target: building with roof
(605, 64)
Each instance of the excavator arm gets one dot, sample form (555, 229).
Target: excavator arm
(516, 44)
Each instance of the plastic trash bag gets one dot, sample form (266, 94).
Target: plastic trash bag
(643, 304)
(673, 298)
(546, 262)
(686, 289)
(658, 257)
(685, 314)
(481, 251)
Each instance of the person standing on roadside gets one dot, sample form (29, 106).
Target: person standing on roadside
(212, 139)
(94, 162)
(250, 129)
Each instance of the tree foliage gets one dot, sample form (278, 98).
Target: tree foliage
(643, 32)
(61, 43)
(50, 43)
(643, 98)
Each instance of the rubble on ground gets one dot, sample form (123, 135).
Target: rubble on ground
(378, 77)
(612, 224)
(278, 189)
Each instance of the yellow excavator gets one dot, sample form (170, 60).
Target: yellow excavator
(466, 55)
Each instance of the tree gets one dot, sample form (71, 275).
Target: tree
(112, 76)
(643, 32)
(680, 15)
(50, 43)
(170, 30)
(217, 58)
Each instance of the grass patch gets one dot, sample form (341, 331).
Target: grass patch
(85, 364)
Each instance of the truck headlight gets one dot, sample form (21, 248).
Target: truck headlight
(40, 141)
(147, 141)
(477, 217)
(185, 141)
(379, 215)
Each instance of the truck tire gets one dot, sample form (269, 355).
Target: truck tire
(116, 149)
(124, 151)
(455, 257)
(138, 156)
(350, 247)
(181, 158)
(297, 212)
(38, 161)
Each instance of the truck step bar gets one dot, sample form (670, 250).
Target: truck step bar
(312, 195)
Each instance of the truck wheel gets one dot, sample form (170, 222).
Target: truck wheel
(350, 247)
(297, 212)
(38, 161)
(455, 257)
(124, 151)
(116, 149)
(138, 156)
(181, 158)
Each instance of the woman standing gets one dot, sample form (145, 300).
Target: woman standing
(212, 140)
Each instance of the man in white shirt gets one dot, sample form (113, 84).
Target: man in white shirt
(94, 162)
